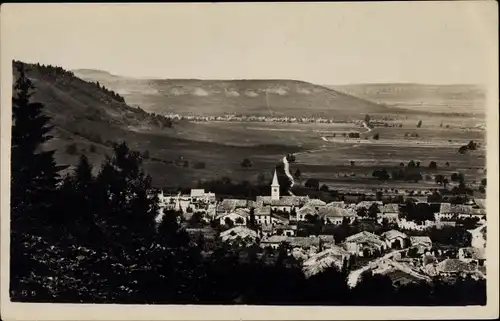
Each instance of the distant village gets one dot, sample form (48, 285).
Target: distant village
(402, 250)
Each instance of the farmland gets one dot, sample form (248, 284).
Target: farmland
(330, 161)
(221, 146)
(190, 152)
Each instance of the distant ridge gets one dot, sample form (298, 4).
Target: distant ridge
(256, 97)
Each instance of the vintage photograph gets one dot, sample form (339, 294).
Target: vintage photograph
(249, 154)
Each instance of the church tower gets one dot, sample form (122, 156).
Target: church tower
(275, 188)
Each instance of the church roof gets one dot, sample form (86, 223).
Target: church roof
(275, 180)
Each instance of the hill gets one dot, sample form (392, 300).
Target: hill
(277, 97)
(88, 117)
(468, 99)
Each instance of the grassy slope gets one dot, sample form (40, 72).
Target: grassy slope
(82, 111)
(217, 97)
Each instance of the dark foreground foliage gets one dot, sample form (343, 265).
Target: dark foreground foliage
(93, 239)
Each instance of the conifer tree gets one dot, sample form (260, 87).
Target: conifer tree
(34, 173)
(127, 202)
(34, 178)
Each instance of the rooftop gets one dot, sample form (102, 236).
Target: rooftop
(238, 231)
(453, 266)
(367, 204)
(197, 192)
(243, 212)
(307, 209)
(447, 208)
(425, 240)
(390, 208)
(474, 253)
(361, 236)
(263, 210)
(230, 204)
(334, 211)
(392, 234)
(275, 180)
(283, 201)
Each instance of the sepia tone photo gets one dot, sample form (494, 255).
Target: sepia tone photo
(254, 155)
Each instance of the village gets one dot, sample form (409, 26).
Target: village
(340, 234)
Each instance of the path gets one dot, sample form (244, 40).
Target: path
(365, 125)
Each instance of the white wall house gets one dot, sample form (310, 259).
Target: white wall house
(238, 217)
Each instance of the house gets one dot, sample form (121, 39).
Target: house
(472, 255)
(334, 256)
(287, 230)
(335, 215)
(480, 203)
(364, 244)
(340, 204)
(305, 243)
(390, 212)
(304, 211)
(278, 202)
(284, 203)
(273, 241)
(228, 205)
(279, 219)
(368, 204)
(327, 240)
(403, 224)
(174, 202)
(263, 215)
(236, 217)
(395, 239)
(398, 272)
(201, 195)
(459, 211)
(454, 267)
(315, 203)
(239, 232)
(421, 243)
(479, 237)
(266, 230)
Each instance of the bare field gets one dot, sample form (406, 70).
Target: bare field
(223, 145)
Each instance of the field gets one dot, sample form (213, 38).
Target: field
(223, 145)
(438, 99)
(91, 117)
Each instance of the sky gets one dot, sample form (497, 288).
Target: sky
(324, 43)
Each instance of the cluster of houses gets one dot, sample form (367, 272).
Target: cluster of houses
(229, 117)
(275, 221)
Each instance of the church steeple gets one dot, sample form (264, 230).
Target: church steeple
(275, 187)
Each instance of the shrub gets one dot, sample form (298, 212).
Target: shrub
(312, 183)
(246, 163)
(92, 148)
(433, 165)
(199, 165)
(376, 136)
(72, 149)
